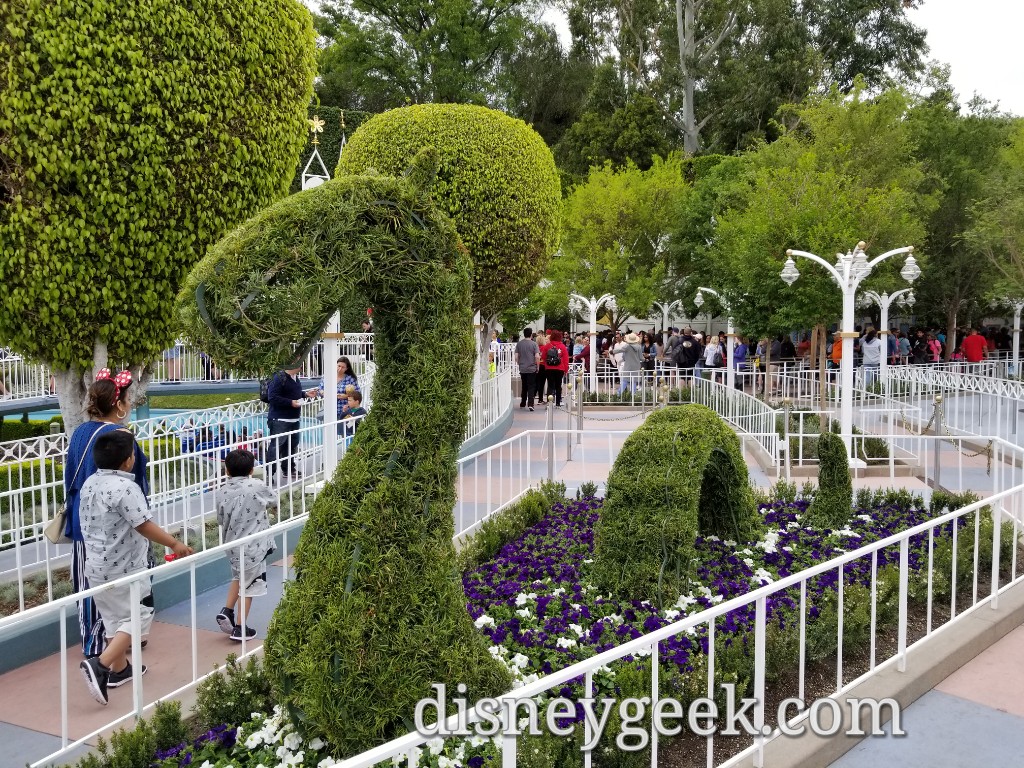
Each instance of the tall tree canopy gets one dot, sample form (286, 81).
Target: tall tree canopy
(130, 141)
(383, 54)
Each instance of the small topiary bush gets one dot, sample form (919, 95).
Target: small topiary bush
(136, 748)
(680, 475)
(497, 181)
(833, 503)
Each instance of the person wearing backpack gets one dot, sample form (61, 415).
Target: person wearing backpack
(686, 353)
(555, 357)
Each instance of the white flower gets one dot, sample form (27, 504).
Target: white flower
(575, 606)
(329, 762)
(672, 615)
(316, 744)
(685, 601)
(557, 592)
(787, 549)
(865, 518)
(477, 741)
(712, 537)
(435, 745)
(292, 741)
(577, 629)
(522, 598)
(524, 612)
(253, 740)
(565, 642)
(521, 661)
(483, 621)
(295, 759)
(729, 543)
(746, 551)
(762, 575)
(445, 762)
(748, 562)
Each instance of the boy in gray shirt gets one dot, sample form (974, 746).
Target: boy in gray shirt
(117, 528)
(242, 511)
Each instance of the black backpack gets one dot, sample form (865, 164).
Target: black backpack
(265, 389)
(552, 358)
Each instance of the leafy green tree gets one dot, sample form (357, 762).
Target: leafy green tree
(130, 139)
(614, 230)
(701, 59)
(960, 152)
(388, 53)
(847, 174)
(997, 227)
(618, 125)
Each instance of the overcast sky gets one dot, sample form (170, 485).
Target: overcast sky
(980, 39)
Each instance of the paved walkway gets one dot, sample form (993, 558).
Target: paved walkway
(974, 718)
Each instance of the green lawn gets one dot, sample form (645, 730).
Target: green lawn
(199, 402)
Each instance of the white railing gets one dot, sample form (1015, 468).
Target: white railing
(747, 414)
(492, 399)
(21, 379)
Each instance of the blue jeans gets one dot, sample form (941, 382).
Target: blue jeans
(283, 448)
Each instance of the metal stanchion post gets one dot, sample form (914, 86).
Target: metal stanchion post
(549, 426)
(579, 411)
(568, 419)
(937, 430)
(787, 404)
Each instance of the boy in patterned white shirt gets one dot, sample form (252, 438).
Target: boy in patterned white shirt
(242, 511)
(117, 528)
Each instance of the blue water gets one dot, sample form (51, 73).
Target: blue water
(153, 413)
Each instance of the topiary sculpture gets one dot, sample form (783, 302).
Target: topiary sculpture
(680, 475)
(833, 503)
(376, 613)
(497, 181)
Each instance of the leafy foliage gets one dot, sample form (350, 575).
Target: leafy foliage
(613, 237)
(833, 503)
(501, 528)
(232, 694)
(497, 181)
(136, 748)
(680, 475)
(131, 139)
(375, 615)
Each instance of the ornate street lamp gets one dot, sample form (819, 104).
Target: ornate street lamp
(577, 304)
(730, 335)
(849, 271)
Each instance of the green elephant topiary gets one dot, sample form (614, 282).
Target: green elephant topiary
(680, 475)
(376, 614)
(497, 181)
(833, 503)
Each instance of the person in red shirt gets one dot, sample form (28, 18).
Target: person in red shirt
(555, 373)
(974, 347)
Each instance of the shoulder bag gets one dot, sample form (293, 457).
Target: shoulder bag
(54, 530)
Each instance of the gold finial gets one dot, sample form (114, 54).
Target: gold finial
(342, 113)
(316, 125)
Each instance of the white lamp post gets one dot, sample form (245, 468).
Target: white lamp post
(667, 308)
(730, 336)
(1018, 305)
(577, 304)
(884, 301)
(849, 271)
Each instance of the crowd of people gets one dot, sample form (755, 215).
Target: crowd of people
(628, 357)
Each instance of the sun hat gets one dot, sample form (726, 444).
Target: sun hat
(632, 338)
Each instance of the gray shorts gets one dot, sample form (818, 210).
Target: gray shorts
(115, 607)
(258, 586)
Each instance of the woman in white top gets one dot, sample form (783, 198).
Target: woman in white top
(713, 350)
(871, 350)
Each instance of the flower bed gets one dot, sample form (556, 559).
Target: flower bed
(535, 604)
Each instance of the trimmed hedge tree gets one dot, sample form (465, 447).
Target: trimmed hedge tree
(680, 475)
(497, 181)
(833, 503)
(376, 614)
(131, 137)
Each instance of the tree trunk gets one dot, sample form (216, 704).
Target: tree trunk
(73, 384)
(686, 31)
(950, 333)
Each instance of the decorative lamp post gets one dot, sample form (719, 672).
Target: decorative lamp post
(577, 304)
(730, 335)
(904, 297)
(848, 272)
(667, 308)
(1018, 305)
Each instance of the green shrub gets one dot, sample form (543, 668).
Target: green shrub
(553, 491)
(587, 490)
(133, 136)
(376, 613)
(233, 693)
(22, 430)
(501, 528)
(14, 477)
(945, 501)
(679, 475)
(833, 504)
(497, 181)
